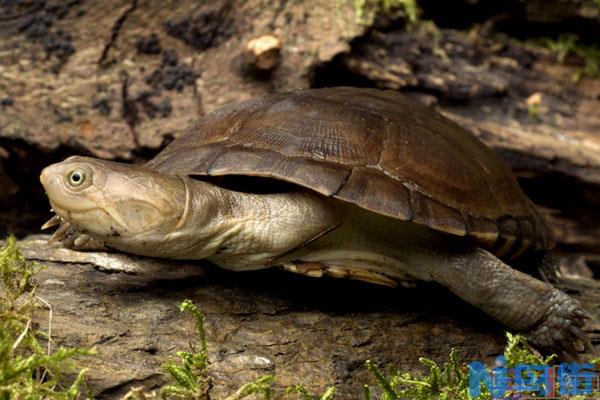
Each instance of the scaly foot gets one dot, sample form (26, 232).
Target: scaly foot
(561, 328)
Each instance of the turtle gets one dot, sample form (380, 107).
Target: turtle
(346, 182)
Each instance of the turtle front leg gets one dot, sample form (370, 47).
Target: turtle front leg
(69, 237)
(550, 319)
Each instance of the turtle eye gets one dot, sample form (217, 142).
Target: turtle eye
(76, 178)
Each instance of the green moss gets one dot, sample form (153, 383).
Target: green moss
(190, 379)
(533, 112)
(306, 395)
(518, 351)
(569, 44)
(261, 386)
(190, 375)
(450, 381)
(366, 10)
(27, 369)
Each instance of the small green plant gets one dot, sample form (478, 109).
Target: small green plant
(567, 44)
(564, 45)
(518, 351)
(448, 382)
(451, 381)
(367, 9)
(533, 103)
(305, 395)
(533, 112)
(192, 382)
(27, 369)
(262, 385)
(191, 375)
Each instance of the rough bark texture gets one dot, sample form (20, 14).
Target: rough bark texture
(120, 79)
(127, 75)
(316, 332)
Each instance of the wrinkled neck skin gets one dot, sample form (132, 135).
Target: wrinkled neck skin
(235, 230)
(187, 230)
(142, 211)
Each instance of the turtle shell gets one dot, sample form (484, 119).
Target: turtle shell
(377, 149)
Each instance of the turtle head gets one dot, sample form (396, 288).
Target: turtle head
(122, 205)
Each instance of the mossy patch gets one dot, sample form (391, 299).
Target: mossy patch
(190, 376)
(366, 10)
(569, 45)
(28, 369)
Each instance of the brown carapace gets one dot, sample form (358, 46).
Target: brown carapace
(377, 149)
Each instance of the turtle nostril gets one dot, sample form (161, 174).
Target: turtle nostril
(47, 176)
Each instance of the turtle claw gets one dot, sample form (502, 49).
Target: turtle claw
(561, 331)
(60, 233)
(81, 240)
(583, 314)
(582, 338)
(69, 237)
(55, 220)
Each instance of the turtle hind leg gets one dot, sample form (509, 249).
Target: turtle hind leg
(551, 319)
(318, 269)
